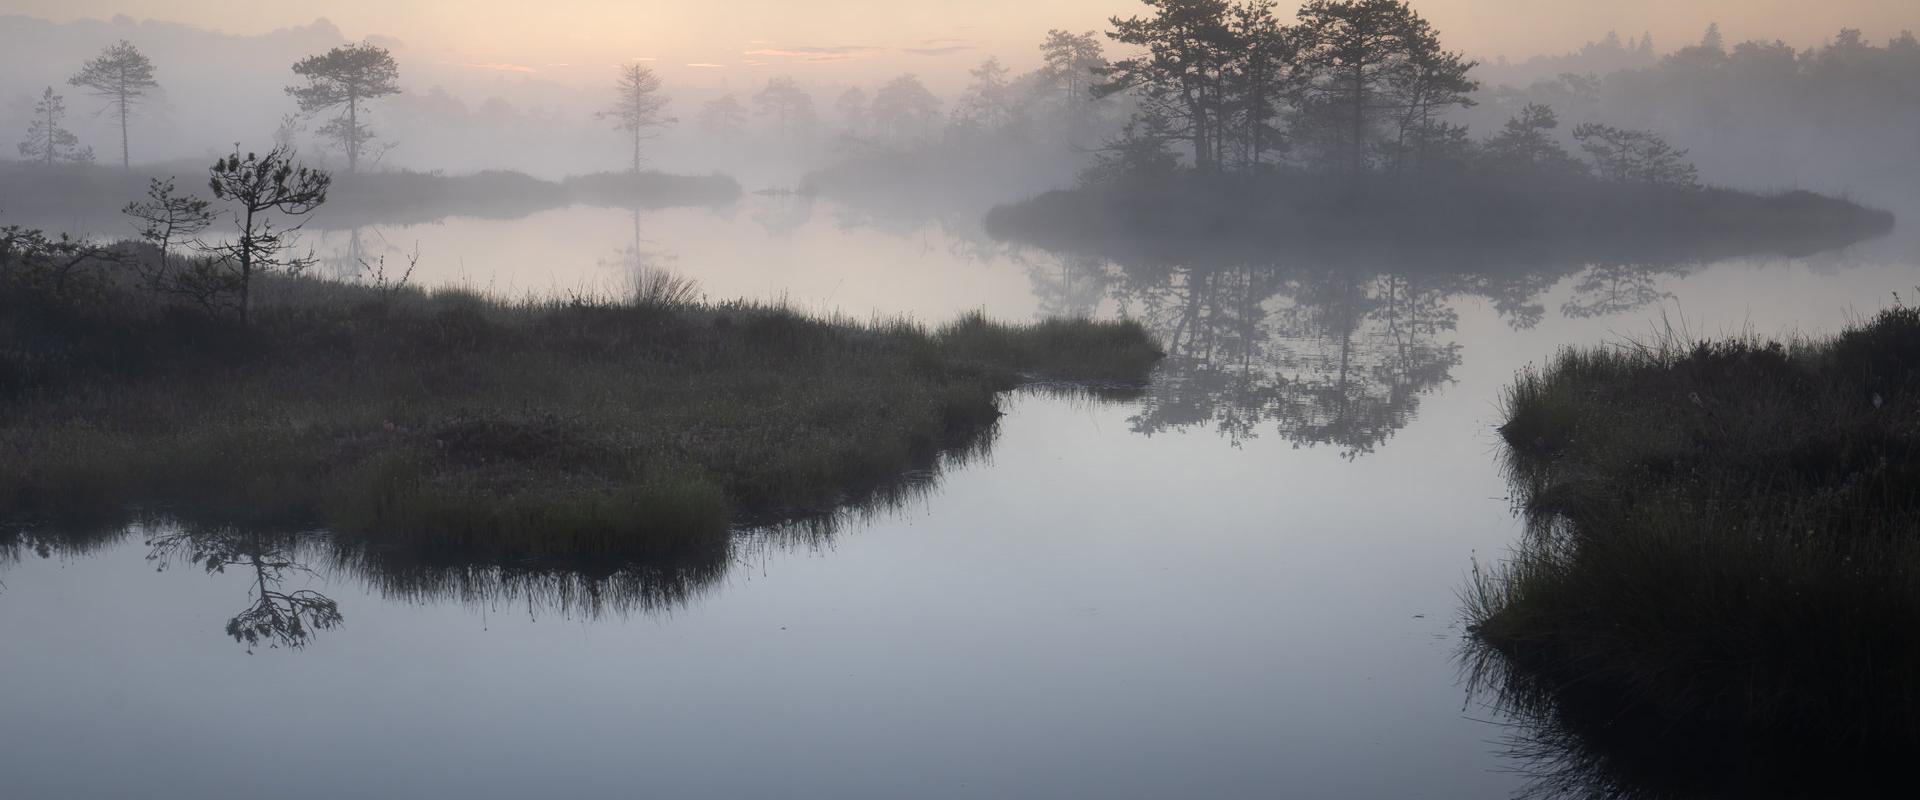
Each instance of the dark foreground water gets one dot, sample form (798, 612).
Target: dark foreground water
(1242, 585)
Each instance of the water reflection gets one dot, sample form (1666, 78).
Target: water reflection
(274, 615)
(279, 615)
(638, 258)
(1327, 347)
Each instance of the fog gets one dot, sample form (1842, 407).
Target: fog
(496, 86)
(959, 398)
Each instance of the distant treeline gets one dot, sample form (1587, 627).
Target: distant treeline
(1844, 115)
(87, 197)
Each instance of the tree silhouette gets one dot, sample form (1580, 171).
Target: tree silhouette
(789, 106)
(1181, 75)
(852, 106)
(122, 76)
(1635, 156)
(346, 78)
(639, 108)
(987, 103)
(903, 109)
(1526, 144)
(723, 117)
(257, 187)
(1352, 52)
(49, 143)
(1069, 70)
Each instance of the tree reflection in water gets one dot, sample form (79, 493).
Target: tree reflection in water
(275, 616)
(1328, 349)
(278, 615)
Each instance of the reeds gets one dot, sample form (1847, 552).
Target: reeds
(1720, 591)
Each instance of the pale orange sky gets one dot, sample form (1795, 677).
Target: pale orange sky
(861, 38)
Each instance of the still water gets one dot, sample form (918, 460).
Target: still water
(1243, 584)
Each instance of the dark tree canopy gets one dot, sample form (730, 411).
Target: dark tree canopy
(346, 78)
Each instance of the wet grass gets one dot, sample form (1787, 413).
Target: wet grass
(1720, 590)
(559, 431)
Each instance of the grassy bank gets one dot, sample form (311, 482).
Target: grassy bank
(553, 431)
(88, 197)
(1256, 212)
(1720, 595)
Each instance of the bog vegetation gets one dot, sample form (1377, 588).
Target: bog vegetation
(1719, 587)
(180, 378)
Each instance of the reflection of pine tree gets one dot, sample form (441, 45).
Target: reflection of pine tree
(278, 617)
(1068, 285)
(1328, 357)
(637, 259)
(1605, 289)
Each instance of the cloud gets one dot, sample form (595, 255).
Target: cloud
(943, 40)
(704, 65)
(645, 58)
(814, 51)
(937, 51)
(503, 67)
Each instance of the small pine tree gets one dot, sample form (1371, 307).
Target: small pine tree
(46, 141)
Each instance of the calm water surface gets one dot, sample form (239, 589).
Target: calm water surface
(1242, 585)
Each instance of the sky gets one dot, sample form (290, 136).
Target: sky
(715, 40)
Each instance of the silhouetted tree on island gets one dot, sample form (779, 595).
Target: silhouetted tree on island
(49, 143)
(346, 78)
(1365, 60)
(1182, 74)
(1527, 144)
(1225, 76)
(122, 76)
(639, 108)
(1634, 156)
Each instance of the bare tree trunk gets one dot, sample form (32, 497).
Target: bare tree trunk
(353, 133)
(246, 265)
(1359, 121)
(126, 161)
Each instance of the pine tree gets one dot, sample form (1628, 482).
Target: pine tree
(122, 76)
(639, 108)
(46, 141)
(346, 78)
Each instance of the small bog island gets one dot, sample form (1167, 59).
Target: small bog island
(224, 388)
